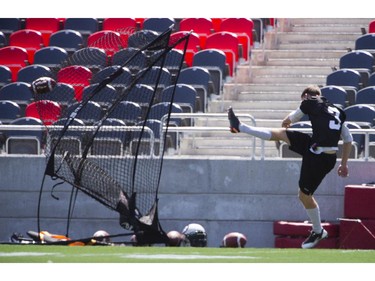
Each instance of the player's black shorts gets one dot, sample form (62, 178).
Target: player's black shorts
(314, 166)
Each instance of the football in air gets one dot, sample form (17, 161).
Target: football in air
(43, 85)
(234, 240)
(175, 238)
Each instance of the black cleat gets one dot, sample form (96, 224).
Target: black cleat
(314, 239)
(233, 121)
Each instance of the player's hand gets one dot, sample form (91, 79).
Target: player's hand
(286, 123)
(343, 171)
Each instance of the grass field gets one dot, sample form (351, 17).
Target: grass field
(166, 263)
(128, 254)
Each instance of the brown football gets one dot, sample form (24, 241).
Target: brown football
(175, 238)
(43, 85)
(234, 240)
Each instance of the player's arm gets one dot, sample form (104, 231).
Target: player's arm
(347, 137)
(292, 117)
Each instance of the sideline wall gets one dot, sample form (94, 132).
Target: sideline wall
(223, 194)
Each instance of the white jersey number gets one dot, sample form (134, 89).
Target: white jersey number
(334, 125)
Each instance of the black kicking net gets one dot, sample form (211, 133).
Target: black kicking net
(108, 140)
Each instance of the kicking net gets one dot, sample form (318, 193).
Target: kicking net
(108, 139)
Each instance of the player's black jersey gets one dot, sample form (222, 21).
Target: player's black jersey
(326, 120)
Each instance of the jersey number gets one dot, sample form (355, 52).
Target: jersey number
(334, 124)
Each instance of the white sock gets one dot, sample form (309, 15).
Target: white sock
(259, 132)
(314, 215)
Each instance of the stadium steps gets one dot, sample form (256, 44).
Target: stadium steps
(297, 53)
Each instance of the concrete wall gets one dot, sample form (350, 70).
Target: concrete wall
(222, 194)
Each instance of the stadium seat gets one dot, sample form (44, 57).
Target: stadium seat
(15, 58)
(141, 94)
(69, 40)
(182, 94)
(141, 38)
(127, 111)
(3, 40)
(32, 72)
(214, 61)
(127, 57)
(19, 92)
(76, 75)
(123, 80)
(366, 96)
(62, 93)
(359, 60)
(174, 60)
(348, 79)
(144, 145)
(9, 111)
(371, 26)
(193, 45)
(29, 39)
(5, 75)
(243, 28)
(161, 109)
(371, 80)
(9, 25)
(366, 42)
(110, 142)
(336, 95)
(85, 26)
(158, 24)
(124, 26)
(201, 26)
(362, 114)
(25, 141)
(72, 139)
(46, 26)
(93, 58)
(51, 56)
(105, 97)
(229, 44)
(104, 73)
(90, 113)
(200, 79)
(216, 23)
(45, 110)
(152, 78)
(108, 40)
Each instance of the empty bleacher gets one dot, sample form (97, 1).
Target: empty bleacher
(285, 55)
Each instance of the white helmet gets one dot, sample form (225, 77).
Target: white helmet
(196, 234)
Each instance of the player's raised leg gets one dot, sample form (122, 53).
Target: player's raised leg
(269, 134)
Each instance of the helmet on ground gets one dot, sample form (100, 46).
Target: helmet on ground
(196, 234)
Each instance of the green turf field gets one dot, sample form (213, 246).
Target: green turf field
(129, 254)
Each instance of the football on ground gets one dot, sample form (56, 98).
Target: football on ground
(175, 238)
(43, 85)
(234, 240)
(102, 235)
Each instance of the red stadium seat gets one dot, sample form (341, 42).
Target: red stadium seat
(46, 26)
(76, 75)
(108, 40)
(29, 39)
(371, 27)
(216, 23)
(229, 44)
(124, 26)
(243, 27)
(192, 47)
(15, 58)
(45, 110)
(202, 26)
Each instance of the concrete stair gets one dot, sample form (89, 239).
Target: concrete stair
(295, 54)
